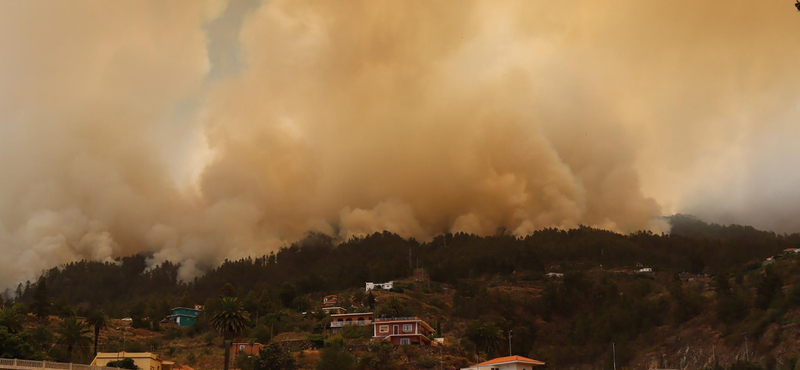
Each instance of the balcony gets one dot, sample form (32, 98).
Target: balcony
(341, 324)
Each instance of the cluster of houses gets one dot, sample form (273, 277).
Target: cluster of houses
(384, 286)
(402, 331)
(786, 252)
(399, 331)
(640, 269)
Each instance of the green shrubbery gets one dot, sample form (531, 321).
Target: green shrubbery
(126, 363)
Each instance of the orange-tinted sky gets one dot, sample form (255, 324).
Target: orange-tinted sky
(204, 130)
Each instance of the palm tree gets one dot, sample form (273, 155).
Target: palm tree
(42, 337)
(11, 319)
(73, 333)
(99, 321)
(230, 319)
(485, 334)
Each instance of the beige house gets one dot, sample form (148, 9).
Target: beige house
(507, 363)
(144, 360)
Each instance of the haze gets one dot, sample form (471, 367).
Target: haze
(205, 130)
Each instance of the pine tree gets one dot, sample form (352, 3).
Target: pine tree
(229, 291)
(40, 305)
(287, 294)
(768, 288)
(186, 301)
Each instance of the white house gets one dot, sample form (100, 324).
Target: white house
(384, 286)
(645, 270)
(507, 363)
(554, 275)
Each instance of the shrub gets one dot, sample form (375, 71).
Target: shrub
(353, 332)
(153, 343)
(262, 334)
(426, 362)
(335, 358)
(244, 361)
(334, 341)
(273, 357)
(173, 333)
(317, 340)
(125, 363)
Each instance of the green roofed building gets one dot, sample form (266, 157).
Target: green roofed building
(184, 316)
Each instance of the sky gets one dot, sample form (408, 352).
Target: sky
(203, 130)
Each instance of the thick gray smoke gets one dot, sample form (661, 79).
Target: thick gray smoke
(118, 135)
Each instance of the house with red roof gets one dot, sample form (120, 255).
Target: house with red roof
(507, 363)
(402, 331)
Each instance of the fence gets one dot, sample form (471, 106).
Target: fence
(341, 324)
(14, 364)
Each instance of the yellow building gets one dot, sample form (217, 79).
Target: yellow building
(144, 360)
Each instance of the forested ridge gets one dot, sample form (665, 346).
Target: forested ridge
(706, 275)
(317, 264)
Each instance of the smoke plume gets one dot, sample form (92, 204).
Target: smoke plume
(119, 135)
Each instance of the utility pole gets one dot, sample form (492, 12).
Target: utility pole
(746, 350)
(441, 366)
(614, 354)
(510, 331)
(714, 353)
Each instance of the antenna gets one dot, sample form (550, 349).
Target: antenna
(510, 331)
(614, 354)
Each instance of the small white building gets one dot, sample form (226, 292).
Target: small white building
(507, 363)
(645, 270)
(384, 286)
(554, 275)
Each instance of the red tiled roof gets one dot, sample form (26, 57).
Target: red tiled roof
(501, 360)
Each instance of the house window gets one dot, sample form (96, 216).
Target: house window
(241, 347)
(408, 328)
(360, 321)
(405, 341)
(384, 328)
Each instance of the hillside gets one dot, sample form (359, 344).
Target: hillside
(707, 290)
